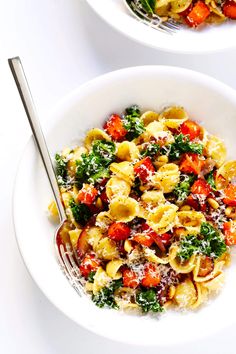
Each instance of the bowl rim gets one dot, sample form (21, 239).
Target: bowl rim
(167, 49)
(65, 101)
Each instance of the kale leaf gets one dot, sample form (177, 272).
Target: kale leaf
(189, 245)
(94, 166)
(105, 297)
(151, 150)
(182, 190)
(181, 145)
(80, 212)
(61, 169)
(209, 243)
(148, 5)
(91, 276)
(213, 245)
(210, 180)
(132, 123)
(147, 300)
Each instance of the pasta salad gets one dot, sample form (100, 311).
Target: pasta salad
(191, 12)
(151, 206)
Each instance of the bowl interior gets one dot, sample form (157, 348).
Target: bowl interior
(186, 40)
(207, 101)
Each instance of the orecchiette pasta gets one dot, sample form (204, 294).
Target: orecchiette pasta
(151, 208)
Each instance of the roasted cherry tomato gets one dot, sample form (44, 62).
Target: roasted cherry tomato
(87, 194)
(88, 264)
(144, 169)
(200, 186)
(151, 275)
(130, 278)
(229, 9)
(198, 14)
(114, 127)
(191, 163)
(230, 233)
(190, 128)
(230, 195)
(118, 231)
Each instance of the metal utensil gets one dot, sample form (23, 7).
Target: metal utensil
(136, 8)
(64, 251)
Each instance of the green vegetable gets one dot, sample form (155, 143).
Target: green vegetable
(189, 245)
(148, 5)
(182, 190)
(209, 243)
(61, 170)
(133, 123)
(181, 145)
(94, 166)
(151, 150)
(210, 180)
(213, 245)
(91, 277)
(105, 150)
(81, 212)
(105, 297)
(147, 300)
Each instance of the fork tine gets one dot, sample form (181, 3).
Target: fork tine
(68, 269)
(153, 21)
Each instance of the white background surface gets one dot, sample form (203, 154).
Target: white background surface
(63, 44)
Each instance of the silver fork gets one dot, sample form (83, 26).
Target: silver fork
(64, 252)
(136, 8)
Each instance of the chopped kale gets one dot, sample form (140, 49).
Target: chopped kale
(209, 243)
(210, 180)
(81, 212)
(91, 277)
(181, 145)
(133, 123)
(61, 169)
(182, 190)
(214, 245)
(94, 166)
(133, 111)
(105, 297)
(189, 245)
(148, 5)
(151, 150)
(105, 150)
(147, 300)
(136, 187)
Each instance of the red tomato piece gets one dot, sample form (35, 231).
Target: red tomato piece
(130, 278)
(229, 9)
(143, 239)
(165, 238)
(87, 194)
(144, 169)
(200, 186)
(148, 231)
(191, 163)
(198, 14)
(114, 127)
(230, 233)
(151, 275)
(230, 195)
(118, 231)
(190, 128)
(88, 264)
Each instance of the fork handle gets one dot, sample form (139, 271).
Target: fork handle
(28, 103)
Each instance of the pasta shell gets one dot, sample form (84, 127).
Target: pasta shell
(117, 187)
(215, 148)
(124, 209)
(127, 151)
(95, 134)
(173, 116)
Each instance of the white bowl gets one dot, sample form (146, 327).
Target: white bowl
(186, 40)
(152, 87)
